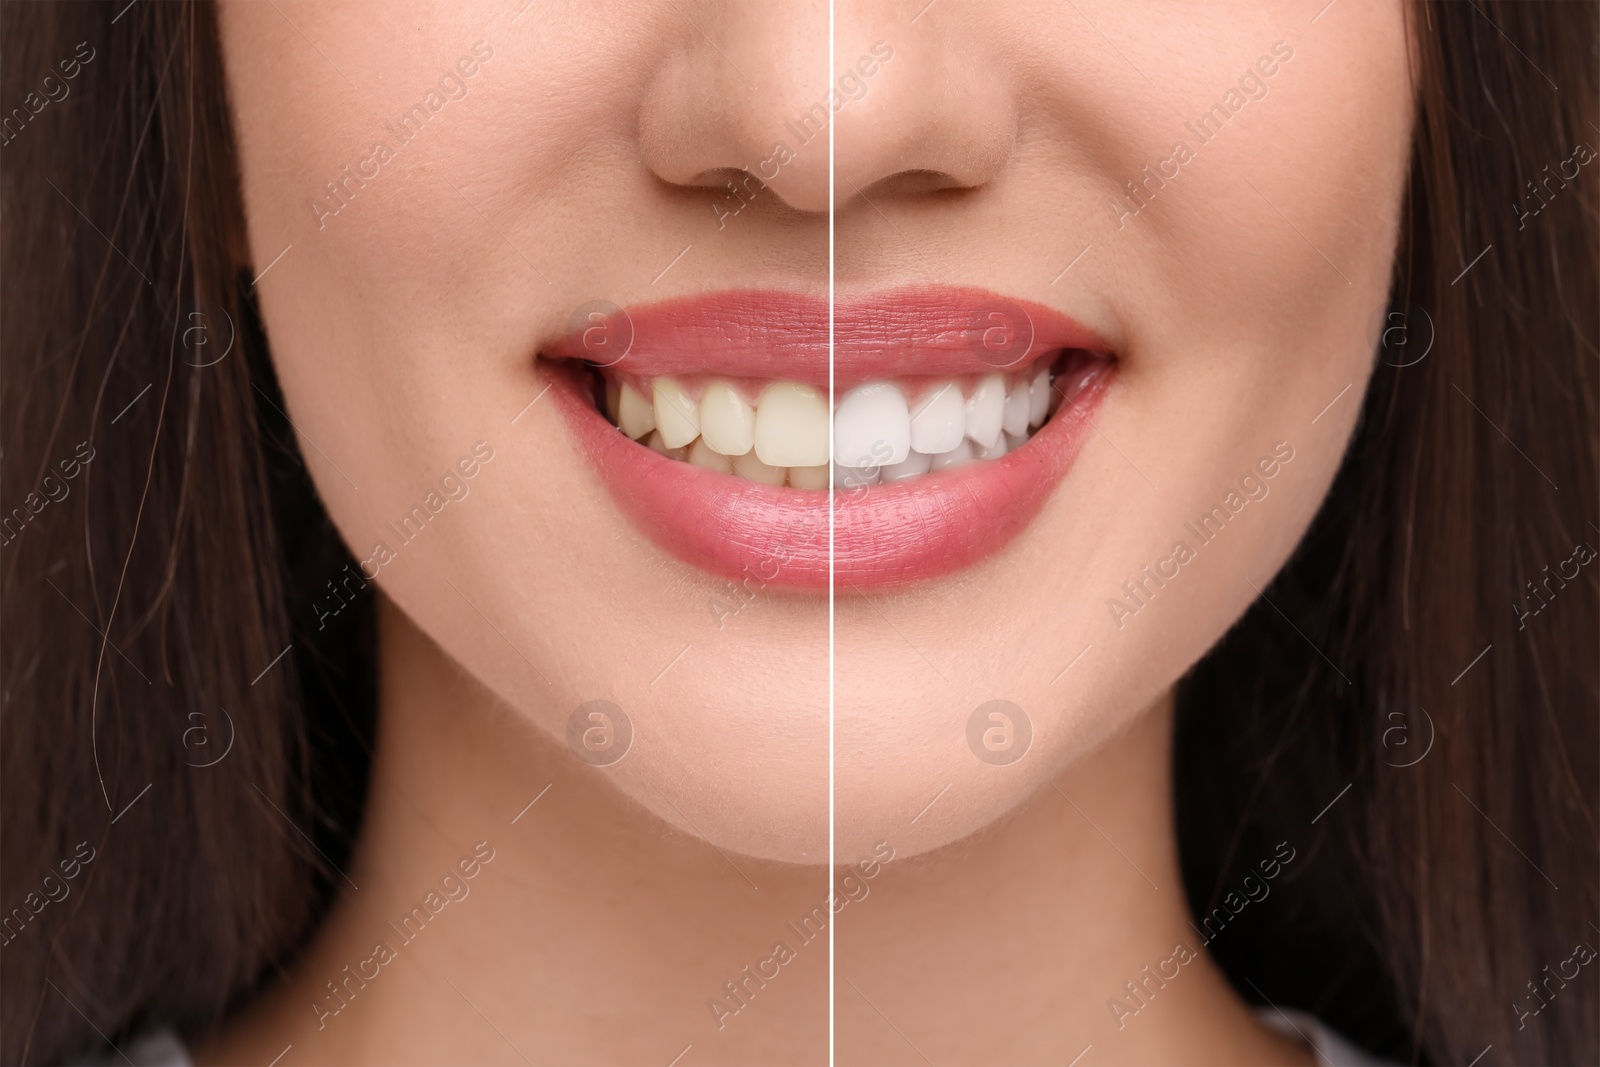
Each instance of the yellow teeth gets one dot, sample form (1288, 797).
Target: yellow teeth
(891, 431)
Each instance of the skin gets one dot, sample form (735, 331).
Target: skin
(989, 151)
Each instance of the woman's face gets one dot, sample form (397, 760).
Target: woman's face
(487, 233)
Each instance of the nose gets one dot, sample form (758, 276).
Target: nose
(747, 101)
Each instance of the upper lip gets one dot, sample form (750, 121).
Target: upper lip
(915, 331)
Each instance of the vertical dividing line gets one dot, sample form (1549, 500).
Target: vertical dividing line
(831, 859)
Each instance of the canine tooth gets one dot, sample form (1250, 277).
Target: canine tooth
(855, 477)
(677, 415)
(872, 426)
(703, 455)
(792, 426)
(914, 464)
(751, 468)
(1039, 397)
(727, 421)
(814, 477)
(1015, 441)
(939, 420)
(613, 392)
(958, 456)
(997, 450)
(656, 444)
(985, 407)
(635, 416)
(1014, 418)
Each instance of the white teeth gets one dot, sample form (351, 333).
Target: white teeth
(855, 477)
(792, 426)
(984, 409)
(1014, 417)
(872, 426)
(677, 415)
(703, 455)
(1039, 397)
(939, 419)
(752, 469)
(727, 421)
(995, 451)
(877, 437)
(958, 456)
(809, 477)
(635, 416)
(915, 464)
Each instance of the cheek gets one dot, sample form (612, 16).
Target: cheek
(403, 330)
(1248, 283)
(1266, 259)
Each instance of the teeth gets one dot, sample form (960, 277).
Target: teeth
(656, 444)
(677, 415)
(958, 456)
(994, 451)
(703, 455)
(1014, 416)
(727, 421)
(916, 463)
(1039, 398)
(984, 409)
(809, 477)
(792, 426)
(749, 467)
(635, 417)
(939, 421)
(855, 477)
(872, 427)
(878, 437)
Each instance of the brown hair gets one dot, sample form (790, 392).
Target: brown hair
(163, 842)
(1403, 652)
(153, 592)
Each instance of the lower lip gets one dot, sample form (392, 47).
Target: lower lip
(883, 535)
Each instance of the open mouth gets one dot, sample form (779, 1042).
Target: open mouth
(954, 414)
(777, 433)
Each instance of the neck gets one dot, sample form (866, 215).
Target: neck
(1061, 929)
(505, 901)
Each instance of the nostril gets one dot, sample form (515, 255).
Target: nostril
(743, 183)
(730, 190)
(908, 183)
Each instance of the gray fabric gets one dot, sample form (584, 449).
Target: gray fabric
(159, 1048)
(1331, 1048)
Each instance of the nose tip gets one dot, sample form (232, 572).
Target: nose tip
(731, 108)
(746, 104)
(927, 121)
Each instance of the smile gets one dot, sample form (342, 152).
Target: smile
(955, 413)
